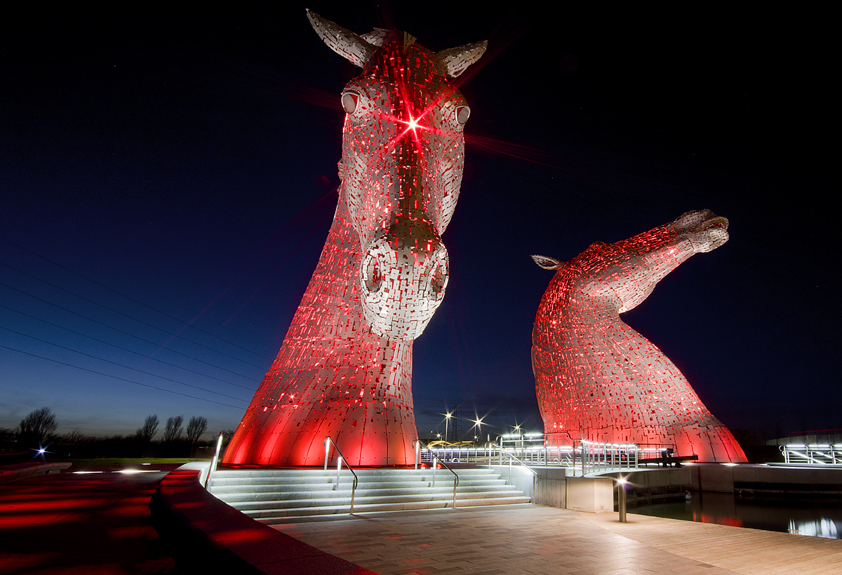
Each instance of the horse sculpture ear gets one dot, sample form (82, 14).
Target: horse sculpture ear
(454, 61)
(547, 263)
(350, 46)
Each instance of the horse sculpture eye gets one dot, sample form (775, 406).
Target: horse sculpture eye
(462, 114)
(373, 277)
(349, 102)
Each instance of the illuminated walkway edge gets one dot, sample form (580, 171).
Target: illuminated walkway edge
(206, 535)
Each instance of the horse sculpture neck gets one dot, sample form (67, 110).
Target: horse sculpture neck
(332, 376)
(596, 377)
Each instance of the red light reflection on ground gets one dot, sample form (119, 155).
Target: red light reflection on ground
(722, 520)
(69, 523)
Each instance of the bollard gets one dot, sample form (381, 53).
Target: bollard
(621, 499)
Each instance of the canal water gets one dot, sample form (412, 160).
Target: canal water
(800, 515)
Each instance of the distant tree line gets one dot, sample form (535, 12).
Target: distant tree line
(38, 430)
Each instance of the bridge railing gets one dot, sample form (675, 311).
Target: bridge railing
(604, 457)
(812, 454)
(582, 456)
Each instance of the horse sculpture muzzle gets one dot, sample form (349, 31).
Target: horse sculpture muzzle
(403, 277)
(401, 168)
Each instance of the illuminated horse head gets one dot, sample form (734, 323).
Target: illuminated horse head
(597, 378)
(617, 277)
(401, 169)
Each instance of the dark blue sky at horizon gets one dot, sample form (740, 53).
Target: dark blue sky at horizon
(167, 182)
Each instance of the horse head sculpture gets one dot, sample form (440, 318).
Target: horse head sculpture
(597, 378)
(401, 169)
(344, 371)
(618, 277)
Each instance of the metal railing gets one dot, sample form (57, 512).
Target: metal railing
(582, 457)
(328, 442)
(434, 457)
(512, 458)
(812, 454)
(605, 457)
(212, 467)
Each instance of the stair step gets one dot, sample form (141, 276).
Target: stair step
(274, 495)
(282, 515)
(345, 491)
(250, 507)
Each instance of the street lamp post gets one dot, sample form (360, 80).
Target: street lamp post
(447, 417)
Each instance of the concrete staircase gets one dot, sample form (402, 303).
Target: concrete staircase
(281, 495)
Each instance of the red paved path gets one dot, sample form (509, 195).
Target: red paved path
(94, 524)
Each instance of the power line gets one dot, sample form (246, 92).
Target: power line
(120, 364)
(251, 388)
(130, 317)
(123, 332)
(118, 378)
(165, 314)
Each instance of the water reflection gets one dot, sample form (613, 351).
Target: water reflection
(821, 528)
(813, 517)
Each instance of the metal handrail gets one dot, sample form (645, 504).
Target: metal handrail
(416, 445)
(535, 473)
(433, 453)
(328, 441)
(212, 467)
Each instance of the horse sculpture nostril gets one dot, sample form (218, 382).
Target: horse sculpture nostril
(438, 278)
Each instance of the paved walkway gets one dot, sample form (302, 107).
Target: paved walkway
(533, 539)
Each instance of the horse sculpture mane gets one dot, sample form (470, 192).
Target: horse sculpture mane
(600, 380)
(345, 367)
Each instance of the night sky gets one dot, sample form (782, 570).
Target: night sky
(167, 181)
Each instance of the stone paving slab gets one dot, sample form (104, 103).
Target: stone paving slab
(742, 550)
(529, 539)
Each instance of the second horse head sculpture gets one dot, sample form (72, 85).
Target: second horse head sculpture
(598, 379)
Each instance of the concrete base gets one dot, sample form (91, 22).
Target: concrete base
(766, 479)
(661, 483)
(554, 488)
(550, 487)
(591, 494)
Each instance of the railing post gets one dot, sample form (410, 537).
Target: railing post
(435, 466)
(583, 458)
(327, 450)
(417, 452)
